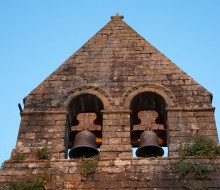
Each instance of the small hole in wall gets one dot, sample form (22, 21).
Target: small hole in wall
(68, 154)
(165, 151)
(164, 148)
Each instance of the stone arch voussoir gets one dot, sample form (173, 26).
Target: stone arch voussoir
(101, 94)
(168, 96)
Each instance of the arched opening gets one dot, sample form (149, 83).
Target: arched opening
(148, 113)
(85, 114)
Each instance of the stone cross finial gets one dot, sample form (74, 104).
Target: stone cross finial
(117, 16)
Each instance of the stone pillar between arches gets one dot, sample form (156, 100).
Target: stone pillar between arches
(116, 141)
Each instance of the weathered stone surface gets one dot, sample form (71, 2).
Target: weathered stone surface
(150, 173)
(113, 77)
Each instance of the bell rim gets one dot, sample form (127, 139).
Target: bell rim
(159, 148)
(71, 152)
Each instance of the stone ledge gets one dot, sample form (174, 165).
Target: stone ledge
(24, 113)
(149, 160)
(115, 111)
(191, 109)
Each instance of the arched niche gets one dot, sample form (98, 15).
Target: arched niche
(85, 114)
(148, 111)
(86, 103)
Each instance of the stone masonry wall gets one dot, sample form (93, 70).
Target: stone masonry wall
(116, 134)
(184, 125)
(49, 129)
(42, 129)
(138, 173)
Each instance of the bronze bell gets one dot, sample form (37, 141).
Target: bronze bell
(84, 145)
(149, 146)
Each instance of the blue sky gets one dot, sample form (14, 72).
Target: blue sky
(38, 36)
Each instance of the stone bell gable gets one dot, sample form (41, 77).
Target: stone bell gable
(117, 85)
(115, 66)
